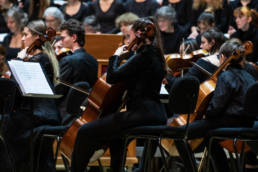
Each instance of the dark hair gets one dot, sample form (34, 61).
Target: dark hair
(192, 43)
(2, 50)
(232, 46)
(216, 36)
(73, 26)
(206, 17)
(92, 21)
(140, 24)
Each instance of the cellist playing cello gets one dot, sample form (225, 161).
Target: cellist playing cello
(226, 106)
(142, 75)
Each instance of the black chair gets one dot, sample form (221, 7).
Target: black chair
(8, 90)
(73, 101)
(182, 100)
(241, 134)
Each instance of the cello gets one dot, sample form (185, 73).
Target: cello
(205, 93)
(103, 99)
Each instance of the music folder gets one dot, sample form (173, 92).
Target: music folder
(31, 79)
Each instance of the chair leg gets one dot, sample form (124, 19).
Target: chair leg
(126, 140)
(66, 164)
(163, 158)
(186, 154)
(100, 166)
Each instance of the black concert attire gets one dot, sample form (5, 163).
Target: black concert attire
(30, 113)
(80, 66)
(225, 110)
(171, 41)
(142, 75)
(80, 15)
(221, 16)
(250, 35)
(107, 19)
(183, 11)
(142, 9)
(11, 53)
(3, 24)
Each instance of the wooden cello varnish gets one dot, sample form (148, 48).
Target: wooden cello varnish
(103, 99)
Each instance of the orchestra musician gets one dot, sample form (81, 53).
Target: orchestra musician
(211, 42)
(30, 112)
(142, 75)
(79, 66)
(246, 23)
(225, 108)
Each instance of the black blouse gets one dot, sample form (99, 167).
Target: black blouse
(142, 9)
(183, 10)
(80, 15)
(11, 53)
(106, 19)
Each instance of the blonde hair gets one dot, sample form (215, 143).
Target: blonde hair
(214, 5)
(245, 11)
(126, 18)
(48, 49)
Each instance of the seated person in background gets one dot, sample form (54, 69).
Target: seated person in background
(246, 29)
(91, 24)
(226, 107)
(80, 66)
(16, 20)
(171, 33)
(205, 22)
(53, 18)
(59, 49)
(124, 21)
(251, 4)
(211, 42)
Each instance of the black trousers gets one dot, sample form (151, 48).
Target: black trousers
(199, 129)
(109, 130)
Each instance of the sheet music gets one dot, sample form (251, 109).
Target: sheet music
(30, 77)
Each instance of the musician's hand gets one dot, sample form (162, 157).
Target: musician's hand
(121, 50)
(22, 54)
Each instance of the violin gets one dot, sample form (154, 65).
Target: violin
(62, 53)
(177, 62)
(50, 34)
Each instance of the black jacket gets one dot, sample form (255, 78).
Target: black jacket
(80, 66)
(142, 75)
(228, 98)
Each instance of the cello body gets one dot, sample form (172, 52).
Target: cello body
(103, 99)
(205, 93)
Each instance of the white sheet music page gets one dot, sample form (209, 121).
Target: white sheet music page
(30, 77)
